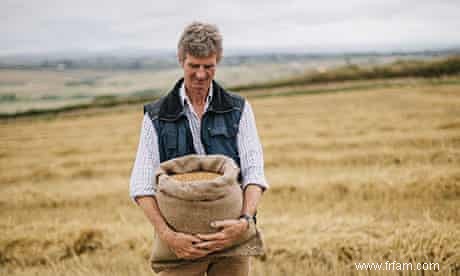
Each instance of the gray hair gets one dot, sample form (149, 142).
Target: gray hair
(200, 40)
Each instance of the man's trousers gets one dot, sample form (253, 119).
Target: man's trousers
(231, 266)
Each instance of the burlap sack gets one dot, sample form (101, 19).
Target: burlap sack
(191, 206)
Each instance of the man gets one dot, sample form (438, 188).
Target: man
(199, 117)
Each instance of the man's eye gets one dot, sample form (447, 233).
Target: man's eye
(194, 66)
(210, 66)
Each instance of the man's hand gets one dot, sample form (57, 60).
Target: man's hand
(183, 246)
(230, 231)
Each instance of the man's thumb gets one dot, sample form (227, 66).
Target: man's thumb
(221, 223)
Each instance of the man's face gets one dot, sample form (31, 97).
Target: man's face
(199, 73)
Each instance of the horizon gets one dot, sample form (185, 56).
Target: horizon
(133, 52)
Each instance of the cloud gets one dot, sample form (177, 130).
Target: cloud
(51, 25)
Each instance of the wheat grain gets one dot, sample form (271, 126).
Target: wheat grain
(195, 176)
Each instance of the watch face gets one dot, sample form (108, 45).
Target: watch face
(245, 216)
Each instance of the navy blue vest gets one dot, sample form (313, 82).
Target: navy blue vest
(219, 124)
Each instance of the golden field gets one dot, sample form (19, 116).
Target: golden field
(356, 176)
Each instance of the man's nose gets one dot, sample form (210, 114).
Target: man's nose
(201, 73)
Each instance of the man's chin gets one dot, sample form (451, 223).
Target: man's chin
(200, 88)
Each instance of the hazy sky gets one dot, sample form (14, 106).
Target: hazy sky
(326, 25)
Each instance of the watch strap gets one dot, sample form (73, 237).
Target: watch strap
(248, 218)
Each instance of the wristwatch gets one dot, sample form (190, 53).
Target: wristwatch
(248, 218)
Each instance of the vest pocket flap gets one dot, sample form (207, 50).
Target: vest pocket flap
(170, 137)
(171, 141)
(222, 126)
(220, 130)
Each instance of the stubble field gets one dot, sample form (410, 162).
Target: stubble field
(356, 176)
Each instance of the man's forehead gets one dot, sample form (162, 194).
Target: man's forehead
(201, 60)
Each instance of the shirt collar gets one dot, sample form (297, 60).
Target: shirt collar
(185, 100)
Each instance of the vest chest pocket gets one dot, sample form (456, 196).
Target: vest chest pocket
(222, 128)
(169, 139)
(174, 139)
(221, 131)
(222, 137)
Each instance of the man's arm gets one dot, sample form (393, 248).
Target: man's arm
(252, 161)
(254, 183)
(252, 196)
(143, 189)
(181, 244)
(142, 182)
(150, 207)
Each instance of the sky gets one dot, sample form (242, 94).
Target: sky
(44, 26)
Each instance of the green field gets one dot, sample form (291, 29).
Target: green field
(25, 90)
(29, 92)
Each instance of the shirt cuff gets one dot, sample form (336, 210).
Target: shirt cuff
(133, 197)
(261, 182)
(262, 187)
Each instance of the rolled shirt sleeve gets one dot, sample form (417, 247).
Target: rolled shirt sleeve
(142, 182)
(250, 151)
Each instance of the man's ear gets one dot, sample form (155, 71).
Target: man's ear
(181, 62)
